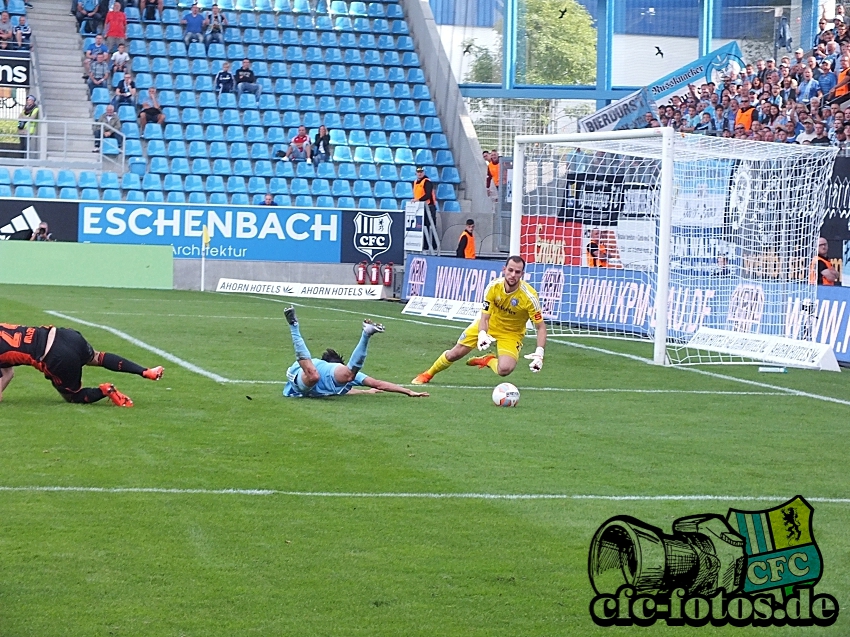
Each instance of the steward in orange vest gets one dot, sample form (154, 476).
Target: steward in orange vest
(466, 243)
(423, 190)
(493, 169)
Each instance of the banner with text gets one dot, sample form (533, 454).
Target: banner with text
(302, 290)
(448, 278)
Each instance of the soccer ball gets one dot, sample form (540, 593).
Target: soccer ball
(506, 395)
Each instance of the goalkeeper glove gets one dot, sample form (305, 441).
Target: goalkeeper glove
(536, 359)
(484, 340)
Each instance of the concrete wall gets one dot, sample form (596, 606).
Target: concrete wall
(187, 272)
(451, 109)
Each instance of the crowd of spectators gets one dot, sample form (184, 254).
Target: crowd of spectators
(14, 36)
(804, 99)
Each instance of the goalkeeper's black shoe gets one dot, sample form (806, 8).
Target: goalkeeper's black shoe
(289, 313)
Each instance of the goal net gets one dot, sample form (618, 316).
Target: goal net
(721, 233)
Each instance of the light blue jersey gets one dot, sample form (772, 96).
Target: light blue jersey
(327, 385)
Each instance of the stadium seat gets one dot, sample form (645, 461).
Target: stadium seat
(404, 156)
(299, 186)
(87, 194)
(325, 170)
(341, 188)
(357, 74)
(107, 180)
(173, 183)
(347, 171)
(234, 134)
(278, 186)
(346, 202)
(284, 169)
(383, 155)
(176, 149)
(242, 168)
(426, 108)
(214, 184)
(257, 185)
(255, 134)
(389, 204)
(67, 192)
(193, 183)
(304, 201)
(45, 192)
(362, 188)
(218, 198)
(320, 187)
(412, 124)
(222, 167)
(342, 154)
(305, 170)
(418, 140)
(132, 147)
(175, 197)
(45, 178)
(393, 123)
(210, 116)
(444, 158)
(369, 172)
(236, 184)
(23, 177)
(197, 198)
(367, 203)
(388, 172)
(403, 190)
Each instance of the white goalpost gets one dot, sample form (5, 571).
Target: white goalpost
(702, 245)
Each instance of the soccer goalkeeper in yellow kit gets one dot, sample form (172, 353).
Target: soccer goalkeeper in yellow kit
(509, 302)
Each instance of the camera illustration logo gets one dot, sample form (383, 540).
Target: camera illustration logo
(751, 568)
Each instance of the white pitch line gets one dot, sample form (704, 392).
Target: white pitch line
(417, 496)
(131, 339)
(604, 390)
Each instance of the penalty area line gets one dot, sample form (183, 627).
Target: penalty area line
(415, 496)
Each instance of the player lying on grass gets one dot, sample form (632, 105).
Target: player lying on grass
(509, 302)
(60, 354)
(329, 376)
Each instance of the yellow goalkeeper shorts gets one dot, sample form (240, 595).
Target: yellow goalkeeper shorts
(506, 344)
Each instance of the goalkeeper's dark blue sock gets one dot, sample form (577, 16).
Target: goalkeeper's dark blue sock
(301, 351)
(358, 356)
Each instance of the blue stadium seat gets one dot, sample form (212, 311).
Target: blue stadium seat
(152, 181)
(346, 202)
(193, 183)
(100, 96)
(143, 81)
(358, 74)
(283, 87)
(398, 140)
(406, 107)
(173, 33)
(132, 147)
(362, 188)
(222, 167)
(255, 134)
(176, 197)
(333, 56)
(392, 123)
(176, 149)
(401, 92)
(197, 197)
(170, 16)
(298, 70)
(190, 116)
(342, 88)
(236, 184)
(445, 158)
(210, 116)
(247, 20)
(215, 51)
(403, 190)
(315, 56)
(67, 192)
(87, 194)
(326, 170)
(256, 52)
(278, 186)
(385, 43)
(361, 25)
(381, 26)
(65, 179)
(412, 124)
(154, 196)
(395, 12)
(172, 183)
(259, 151)
(159, 165)
(407, 173)
(320, 187)
(134, 195)
(270, 36)
(194, 133)
(357, 138)
(398, 27)
(423, 156)
(257, 185)
(173, 132)
(338, 137)
(367, 203)
(231, 117)
(304, 201)
(142, 65)
(107, 180)
(388, 172)
(341, 188)
(325, 202)
(371, 57)
(23, 177)
(153, 32)
(432, 125)
(86, 179)
(45, 178)
(357, 9)
(178, 49)
(445, 192)
(43, 192)
(362, 154)
(426, 108)
(299, 186)
(200, 67)
(404, 156)
(347, 171)
(251, 118)
(263, 168)
(376, 10)
(305, 171)
(362, 89)
(214, 184)
(450, 175)
(383, 155)
(218, 198)
(389, 204)
(348, 105)
(135, 31)
(332, 120)
(418, 140)
(137, 47)
(180, 166)
(439, 142)
(369, 172)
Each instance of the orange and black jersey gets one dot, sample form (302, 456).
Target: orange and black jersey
(22, 345)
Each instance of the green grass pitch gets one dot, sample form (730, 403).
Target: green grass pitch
(320, 563)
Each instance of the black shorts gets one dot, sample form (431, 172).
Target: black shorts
(65, 361)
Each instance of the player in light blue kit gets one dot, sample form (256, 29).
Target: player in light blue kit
(312, 377)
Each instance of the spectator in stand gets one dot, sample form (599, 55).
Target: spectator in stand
(719, 119)
(822, 272)
(798, 64)
(706, 124)
(151, 112)
(92, 51)
(268, 200)
(125, 92)
(115, 27)
(788, 90)
(827, 79)
(821, 138)
(745, 113)
(150, 8)
(423, 190)
(749, 73)
(194, 23)
(485, 154)
(808, 133)
(299, 147)
(7, 32)
(224, 82)
(763, 113)
(731, 115)
(99, 73)
(842, 86)
(791, 132)
(322, 145)
(466, 243)
(120, 60)
(492, 177)
(28, 125)
(23, 33)
(88, 11)
(247, 81)
(109, 119)
(216, 23)
(824, 33)
(781, 136)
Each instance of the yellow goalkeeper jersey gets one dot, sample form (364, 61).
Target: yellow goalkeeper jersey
(510, 312)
